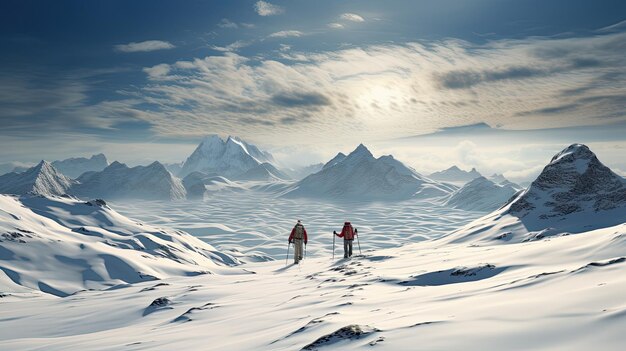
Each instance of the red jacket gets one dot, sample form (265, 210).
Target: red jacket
(347, 232)
(293, 233)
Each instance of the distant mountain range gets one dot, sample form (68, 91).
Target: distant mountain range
(455, 174)
(74, 167)
(152, 182)
(360, 176)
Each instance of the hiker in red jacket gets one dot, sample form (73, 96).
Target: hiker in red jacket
(347, 233)
(297, 237)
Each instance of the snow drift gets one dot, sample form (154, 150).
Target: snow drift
(61, 245)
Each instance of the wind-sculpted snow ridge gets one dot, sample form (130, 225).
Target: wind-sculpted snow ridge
(118, 181)
(231, 158)
(360, 176)
(61, 245)
(481, 194)
(574, 193)
(42, 179)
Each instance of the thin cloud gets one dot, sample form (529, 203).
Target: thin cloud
(231, 47)
(286, 34)
(353, 17)
(226, 23)
(144, 46)
(264, 8)
(335, 25)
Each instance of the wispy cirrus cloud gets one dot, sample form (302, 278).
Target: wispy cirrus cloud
(395, 89)
(335, 25)
(144, 46)
(353, 17)
(264, 8)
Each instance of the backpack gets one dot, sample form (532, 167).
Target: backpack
(299, 233)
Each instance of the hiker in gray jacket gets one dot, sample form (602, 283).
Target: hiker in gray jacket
(298, 237)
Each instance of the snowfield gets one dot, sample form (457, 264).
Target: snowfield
(257, 225)
(564, 293)
(546, 271)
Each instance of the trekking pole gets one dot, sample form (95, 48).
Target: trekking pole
(333, 246)
(358, 243)
(287, 258)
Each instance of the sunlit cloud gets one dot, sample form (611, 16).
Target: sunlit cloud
(353, 17)
(231, 47)
(144, 46)
(335, 25)
(394, 90)
(264, 8)
(286, 34)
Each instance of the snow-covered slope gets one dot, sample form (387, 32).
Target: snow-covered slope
(74, 167)
(263, 172)
(562, 294)
(360, 176)
(302, 172)
(174, 168)
(63, 245)
(481, 194)
(501, 180)
(152, 182)
(335, 160)
(230, 158)
(574, 193)
(455, 175)
(198, 184)
(42, 179)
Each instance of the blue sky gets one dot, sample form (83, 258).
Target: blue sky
(154, 76)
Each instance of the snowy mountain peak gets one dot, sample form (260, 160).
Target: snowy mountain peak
(42, 179)
(360, 151)
(43, 166)
(481, 194)
(231, 157)
(361, 176)
(578, 156)
(574, 193)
